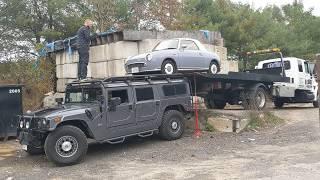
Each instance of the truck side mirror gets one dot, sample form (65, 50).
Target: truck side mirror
(114, 102)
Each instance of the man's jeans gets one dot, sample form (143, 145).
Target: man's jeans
(83, 62)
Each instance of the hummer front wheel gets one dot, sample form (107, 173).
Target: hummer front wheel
(66, 145)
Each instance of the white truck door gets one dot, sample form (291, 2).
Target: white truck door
(302, 74)
(308, 76)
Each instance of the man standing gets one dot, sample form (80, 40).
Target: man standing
(83, 48)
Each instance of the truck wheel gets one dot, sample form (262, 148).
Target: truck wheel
(168, 67)
(214, 68)
(278, 103)
(254, 99)
(212, 104)
(172, 126)
(34, 151)
(316, 103)
(66, 145)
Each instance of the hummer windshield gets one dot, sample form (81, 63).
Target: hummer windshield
(83, 94)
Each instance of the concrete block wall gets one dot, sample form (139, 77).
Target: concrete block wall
(108, 60)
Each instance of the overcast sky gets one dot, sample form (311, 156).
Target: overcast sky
(315, 4)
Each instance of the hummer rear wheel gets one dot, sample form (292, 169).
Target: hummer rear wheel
(66, 145)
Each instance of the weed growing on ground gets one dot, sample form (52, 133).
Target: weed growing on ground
(263, 120)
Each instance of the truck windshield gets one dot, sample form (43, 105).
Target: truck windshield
(82, 95)
(167, 44)
(276, 64)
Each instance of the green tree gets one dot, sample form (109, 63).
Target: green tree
(26, 22)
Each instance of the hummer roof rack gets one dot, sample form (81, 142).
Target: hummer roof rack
(128, 79)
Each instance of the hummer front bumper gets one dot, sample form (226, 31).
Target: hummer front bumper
(32, 138)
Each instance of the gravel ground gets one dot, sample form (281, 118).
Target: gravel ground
(290, 151)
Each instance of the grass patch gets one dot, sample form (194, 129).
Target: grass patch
(263, 120)
(209, 127)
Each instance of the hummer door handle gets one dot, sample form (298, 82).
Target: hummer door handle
(157, 102)
(130, 107)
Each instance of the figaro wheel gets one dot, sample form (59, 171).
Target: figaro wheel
(168, 67)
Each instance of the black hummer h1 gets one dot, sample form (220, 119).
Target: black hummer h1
(107, 111)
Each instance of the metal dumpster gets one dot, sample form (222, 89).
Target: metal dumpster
(10, 108)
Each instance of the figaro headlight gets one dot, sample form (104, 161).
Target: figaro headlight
(149, 57)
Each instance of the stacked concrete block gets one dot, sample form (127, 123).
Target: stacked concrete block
(99, 69)
(99, 53)
(122, 50)
(61, 84)
(147, 45)
(116, 67)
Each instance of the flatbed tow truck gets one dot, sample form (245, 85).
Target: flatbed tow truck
(284, 80)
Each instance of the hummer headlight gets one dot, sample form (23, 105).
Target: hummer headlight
(28, 125)
(21, 124)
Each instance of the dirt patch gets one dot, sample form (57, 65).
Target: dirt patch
(7, 150)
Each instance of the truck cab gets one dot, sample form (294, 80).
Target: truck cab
(302, 87)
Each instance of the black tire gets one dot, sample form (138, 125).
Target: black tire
(278, 103)
(172, 126)
(255, 99)
(69, 134)
(214, 65)
(34, 151)
(171, 65)
(214, 104)
(316, 103)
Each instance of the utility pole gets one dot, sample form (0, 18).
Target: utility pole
(317, 68)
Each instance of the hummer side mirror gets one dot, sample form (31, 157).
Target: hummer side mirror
(114, 102)
(59, 101)
(100, 98)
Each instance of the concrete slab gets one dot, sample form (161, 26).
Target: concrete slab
(122, 50)
(147, 45)
(99, 69)
(70, 70)
(130, 35)
(116, 68)
(99, 53)
(58, 58)
(225, 123)
(61, 83)
(67, 58)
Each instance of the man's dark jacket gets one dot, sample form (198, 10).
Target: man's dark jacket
(83, 38)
